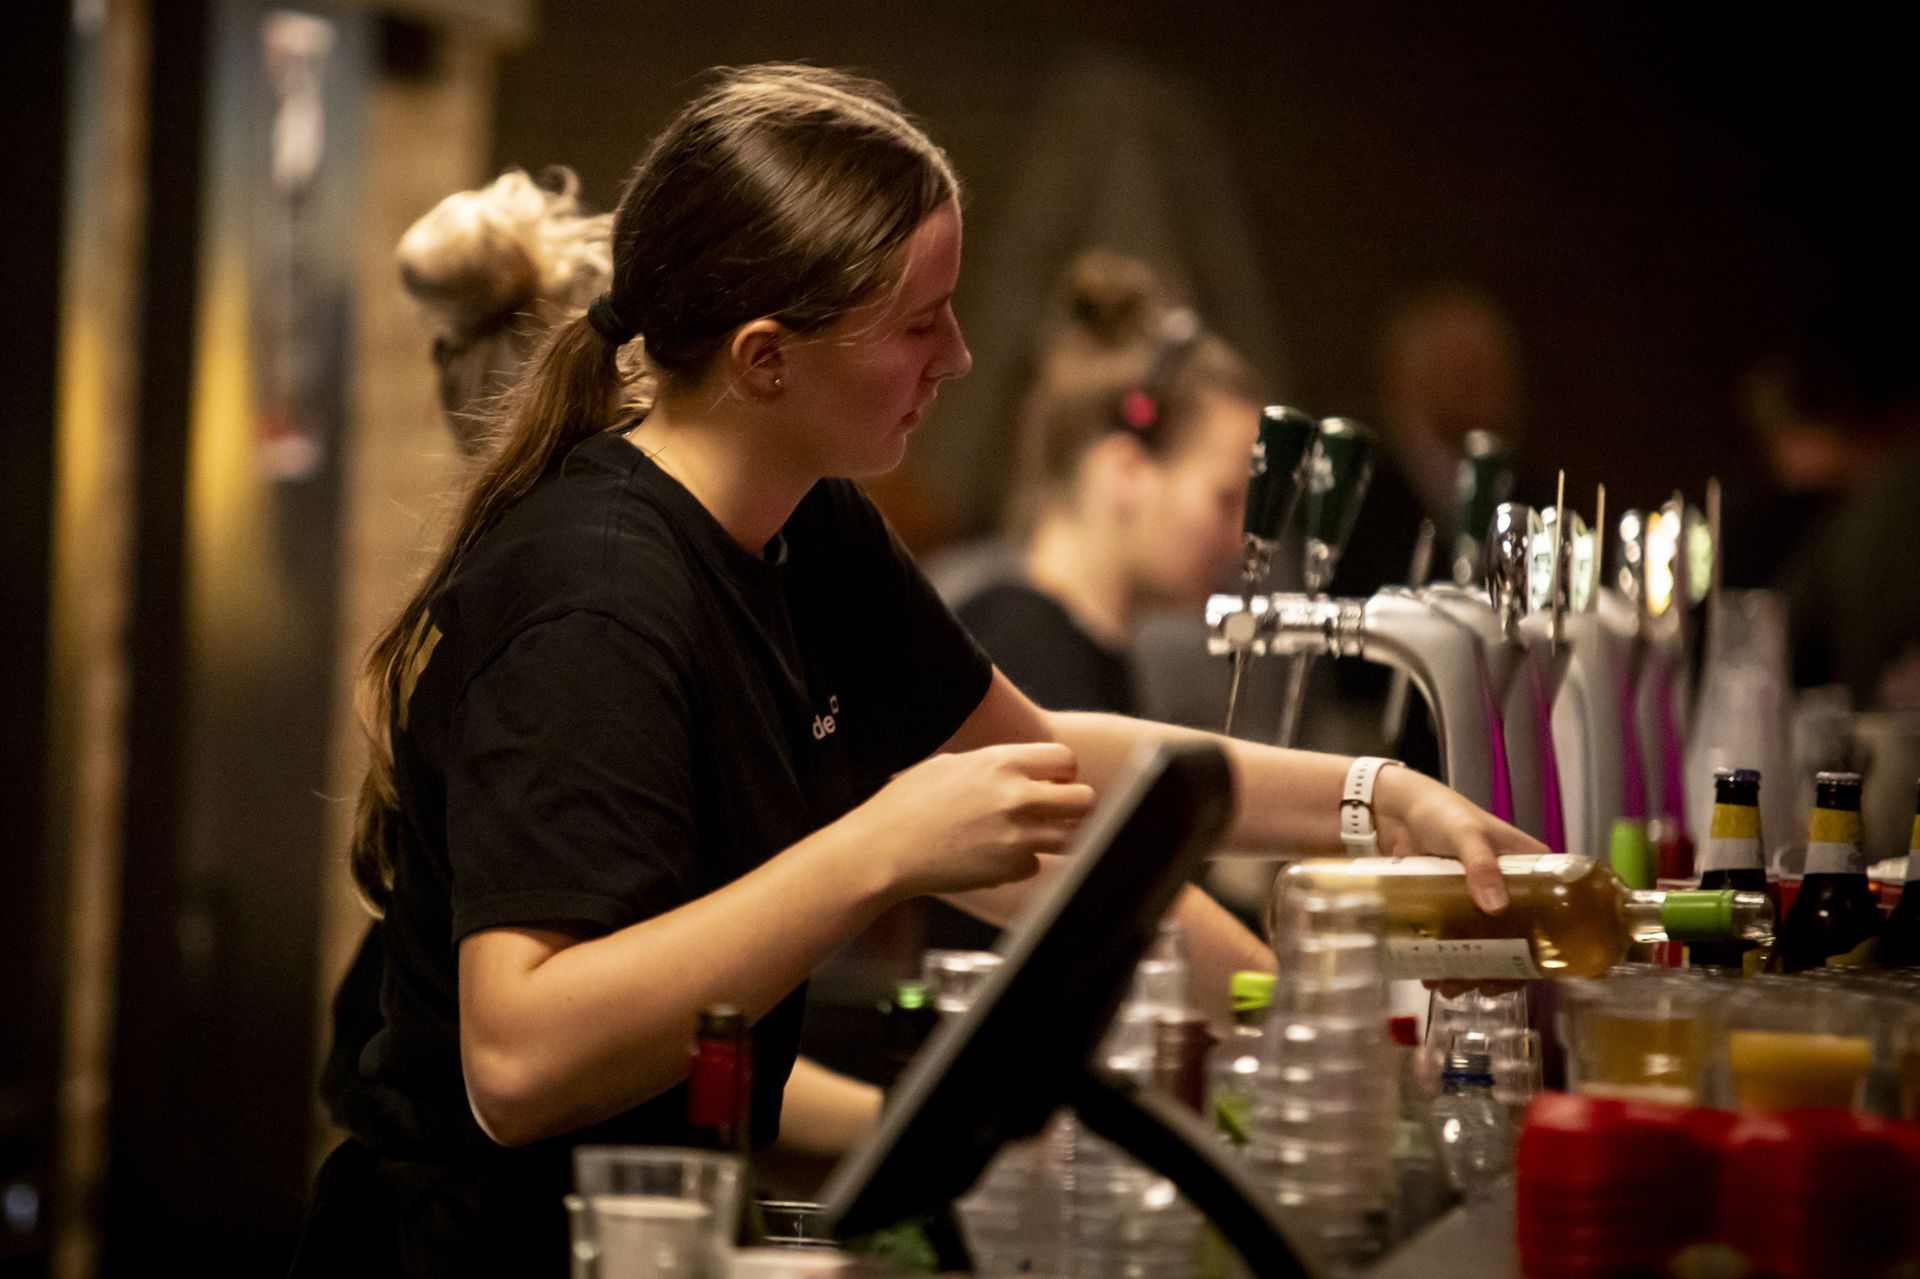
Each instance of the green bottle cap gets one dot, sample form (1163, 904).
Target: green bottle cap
(910, 994)
(1273, 470)
(1691, 915)
(1342, 463)
(1630, 854)
(1251, 991)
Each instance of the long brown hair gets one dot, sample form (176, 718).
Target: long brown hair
(782, 191)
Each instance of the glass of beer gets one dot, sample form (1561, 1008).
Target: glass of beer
(1641, 1034)
(1792, 1044)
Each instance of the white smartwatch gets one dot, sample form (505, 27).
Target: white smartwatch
(1358, 830)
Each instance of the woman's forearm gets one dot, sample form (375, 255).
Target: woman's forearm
(1286, 799)
(823, 1112)
(557, 1034)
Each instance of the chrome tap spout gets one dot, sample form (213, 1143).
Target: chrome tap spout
(1442, 658)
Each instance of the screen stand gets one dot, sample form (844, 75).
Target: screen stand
(1171, 1140)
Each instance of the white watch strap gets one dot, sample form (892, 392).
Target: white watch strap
(1358, 831)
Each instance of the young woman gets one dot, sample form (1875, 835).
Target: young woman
(673, 716)
(1132, 470)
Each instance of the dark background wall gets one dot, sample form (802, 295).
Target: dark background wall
(1658, 193)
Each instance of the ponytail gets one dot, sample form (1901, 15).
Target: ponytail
(784, 191)
(572, 391)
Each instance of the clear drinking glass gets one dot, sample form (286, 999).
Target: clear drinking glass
(1648, 1035)
(1792, 1044)
(651, 1212)
(794, 1224)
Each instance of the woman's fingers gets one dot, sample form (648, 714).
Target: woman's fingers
(1058, 801)
(1484, 882)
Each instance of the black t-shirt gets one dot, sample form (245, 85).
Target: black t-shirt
(620, 710)
(1036, 643)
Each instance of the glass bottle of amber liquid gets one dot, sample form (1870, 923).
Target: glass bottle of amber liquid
(1900, 939)
(1735, 856)
(1568, 916)
(1834, 921)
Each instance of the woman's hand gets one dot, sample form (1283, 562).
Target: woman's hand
(1418, 815)
(975, 818)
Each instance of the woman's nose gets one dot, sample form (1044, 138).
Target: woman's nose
(956, 359)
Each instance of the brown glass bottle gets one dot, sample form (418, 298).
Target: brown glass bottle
(1734, 856)
(1835, 920)
(1900, 939)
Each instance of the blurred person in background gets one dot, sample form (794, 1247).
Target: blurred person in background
(1129, 483)
(1837, 416)
(1446, 364)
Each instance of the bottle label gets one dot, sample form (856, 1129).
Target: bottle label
(1834, 826)
(1826, 857)
(1735, 841)
(1460, 959)
(1735, 821)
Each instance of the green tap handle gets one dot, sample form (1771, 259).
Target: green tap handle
(1339, 468)
(1483, 480)
(1273, 472)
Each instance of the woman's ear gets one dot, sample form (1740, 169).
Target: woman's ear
(1114, 472)
(757, 352)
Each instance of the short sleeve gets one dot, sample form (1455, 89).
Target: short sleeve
(570, 781)
(914, 670)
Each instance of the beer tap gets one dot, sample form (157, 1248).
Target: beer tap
(1339, 467)
(1678, 565)
(1560, 579)
(1520, 662)
(1593, 712)
(1395, 627)
(1276, 475)
(1482, 481)
(1596, 731)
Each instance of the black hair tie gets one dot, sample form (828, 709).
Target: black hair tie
(607, 322)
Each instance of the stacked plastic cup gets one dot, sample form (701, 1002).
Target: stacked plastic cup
(1608, 1189)
(1321, 1132)
(1818, 1194)
(1125, 1219)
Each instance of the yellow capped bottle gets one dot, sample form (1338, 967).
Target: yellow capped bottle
(1569, 916)
(1834, 920)
(1734, 856)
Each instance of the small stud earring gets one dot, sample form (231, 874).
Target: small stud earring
(779, 383)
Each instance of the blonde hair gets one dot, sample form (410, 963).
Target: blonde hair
(1117, 332)
(494, 270)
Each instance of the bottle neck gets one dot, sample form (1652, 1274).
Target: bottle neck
(1734, 839)
(1721, 915)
